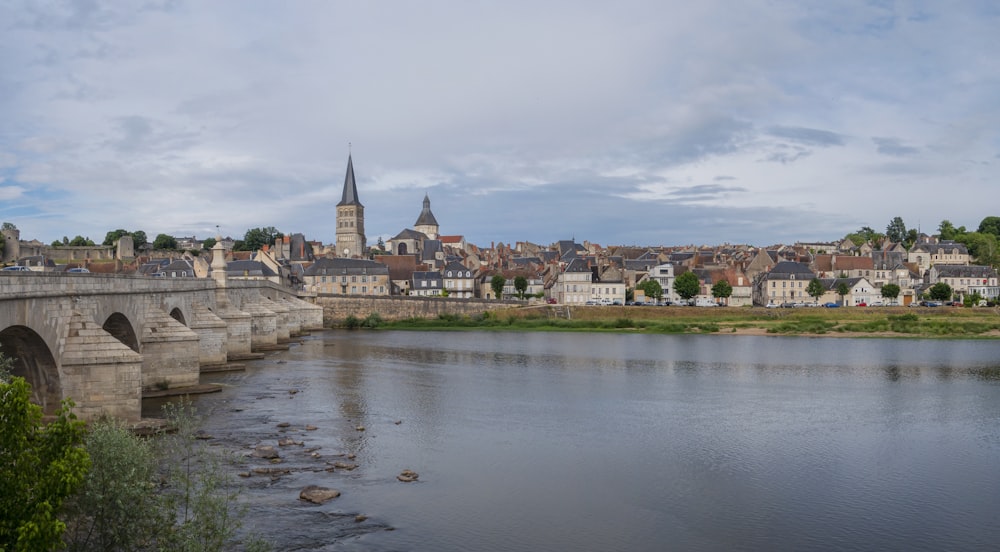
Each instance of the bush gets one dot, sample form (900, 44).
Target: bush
(373, 320)
(352, 322)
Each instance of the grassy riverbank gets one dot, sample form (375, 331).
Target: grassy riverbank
(845, 322)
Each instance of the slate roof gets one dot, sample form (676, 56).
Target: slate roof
(790, 270)
(350, 196)
(964, 271)
(410, 234)
(249, 268)
(577, 265)
(342, 265)
(431, 247)
(426, 217)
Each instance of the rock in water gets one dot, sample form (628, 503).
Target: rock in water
(408, 476)
(318, 495)
(265, 451)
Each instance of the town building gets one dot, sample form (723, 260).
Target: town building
(343, 276)
(350, 218)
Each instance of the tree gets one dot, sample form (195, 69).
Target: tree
(651, 288)
(940, 292)
(868, 234)
(113, 236)
(946, 230)
(890, 291)
(208, 243)
(117, 508)
(990, 225)
(41, 465)
(982, 246)
(896, 230)
(8, 226)
(521, 285)
(497, 282)
(722, 289)
(139, 239)
(815, 289)
(687, 285)
(81, 241)
(842, 290)
(257, 238)
(164, 241)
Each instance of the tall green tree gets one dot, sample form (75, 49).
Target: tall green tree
(257, 238)
(208, 243)
(815, 289)
(521, 285)
(890, 291)
(687, 285)
(497, 282)
(940, 292)
(41, 465)
(164, 242)
(722, 289)
(896, 230)
(651, 288)
(842, 290)
(8, 226)
(139, 239)
(990, 225)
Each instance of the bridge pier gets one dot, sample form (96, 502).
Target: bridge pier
(263, 326)
(170, 352)
(103, 376)
(212, 335)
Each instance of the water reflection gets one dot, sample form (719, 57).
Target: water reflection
(626, 442)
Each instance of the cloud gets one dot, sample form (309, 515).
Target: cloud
(893, 147)
(808, 136)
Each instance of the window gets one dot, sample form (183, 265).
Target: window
(354, 289)
(323, 279)
(364, 289)
(449, 274)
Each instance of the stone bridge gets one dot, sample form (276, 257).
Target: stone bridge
(104, 339)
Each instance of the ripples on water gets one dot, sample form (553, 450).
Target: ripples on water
(535, 441)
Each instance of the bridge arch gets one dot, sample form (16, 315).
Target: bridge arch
(34, 362)
(118, 325)
(178, 315)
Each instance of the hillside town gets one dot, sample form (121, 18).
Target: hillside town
(422, 261)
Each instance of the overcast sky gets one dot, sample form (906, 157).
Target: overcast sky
(628, 122)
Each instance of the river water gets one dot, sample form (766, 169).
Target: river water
(578, 441)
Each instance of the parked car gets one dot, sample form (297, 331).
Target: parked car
(831, 305)
(861, 304)
(771, 306)
(79, 270)
(550, 301)
(17, 268)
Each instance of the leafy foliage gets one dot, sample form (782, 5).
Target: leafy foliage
(256, 238)
(80, 241)
(815, 288)
(842, 290)
(208, 243)
(521, 285)
(940, 292)
(138, 237)
(497, 283)
(990, 225)
(890, 291)
(896, 230)
(722, 289)
(651, 288)
(40, 466)
(117, 508)
(687, 285)
(164, 242)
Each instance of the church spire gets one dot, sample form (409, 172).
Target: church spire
(426, 217)
(350, 196)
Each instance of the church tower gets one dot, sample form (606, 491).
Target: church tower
(426, 223)
(350, 218)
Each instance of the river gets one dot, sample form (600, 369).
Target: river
(597, 442)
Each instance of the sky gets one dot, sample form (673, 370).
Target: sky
(620, 123)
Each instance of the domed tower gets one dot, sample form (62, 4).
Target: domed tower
(350, 218)
(426, 223)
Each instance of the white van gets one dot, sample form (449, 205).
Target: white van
(703, 302)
